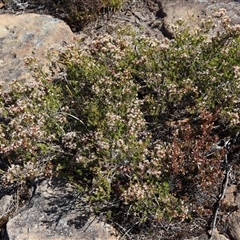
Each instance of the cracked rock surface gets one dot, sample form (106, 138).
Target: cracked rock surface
(57, 211)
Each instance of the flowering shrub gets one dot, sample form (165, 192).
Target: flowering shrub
(133, 121)
(145, 83)
(33, 122)
(113, 141)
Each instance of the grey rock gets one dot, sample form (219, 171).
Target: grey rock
(234, 225)
(192, 12)
(5, 203)
(56, 211)
(216, 236)
(233, 220)
(231, 204)
(232, 10)
(6, 208)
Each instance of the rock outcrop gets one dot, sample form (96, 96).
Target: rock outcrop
(29, 35)
(232, 204)
(56, 211)
(192, 12)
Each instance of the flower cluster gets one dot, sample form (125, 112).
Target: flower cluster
(221, 12)
(33, 124)
(69, 141)
(19, 174)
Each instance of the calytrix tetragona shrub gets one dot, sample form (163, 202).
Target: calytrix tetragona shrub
(133, 121)
(33, 122)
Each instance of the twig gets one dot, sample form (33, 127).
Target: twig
(125, 232)
(221, 196)
(127, 20)
(70, 115)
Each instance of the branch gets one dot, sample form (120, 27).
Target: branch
(221, 195)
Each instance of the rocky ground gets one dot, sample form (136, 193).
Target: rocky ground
(23, 35)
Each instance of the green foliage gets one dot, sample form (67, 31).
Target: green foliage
(132, 121)
(113, 142)
(33, 123)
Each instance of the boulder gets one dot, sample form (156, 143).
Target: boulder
(215, 236)
(232, 10)
(192, 12)
(29, 35)
(234, 225)
(229, 202)
(57, 211)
